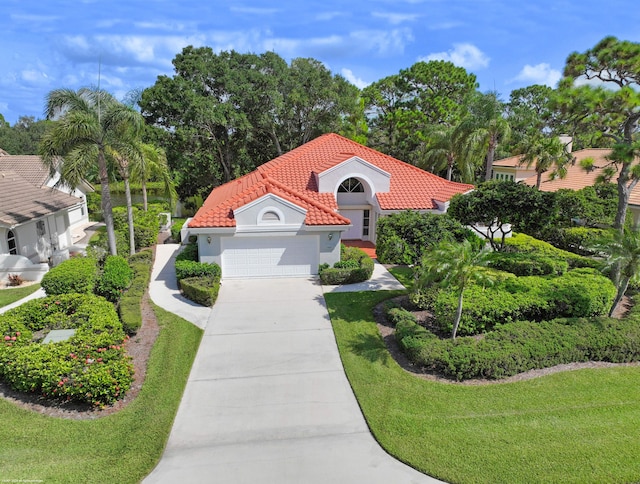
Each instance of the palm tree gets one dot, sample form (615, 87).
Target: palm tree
(152, 162)
(88, 123)
(448, 148)
(486, 126)
(545, 153)
(623, 260)
(453, 266)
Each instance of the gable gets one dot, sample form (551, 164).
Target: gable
(375, 179)
(269, 213)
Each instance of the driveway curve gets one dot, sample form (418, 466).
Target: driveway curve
(267, 400)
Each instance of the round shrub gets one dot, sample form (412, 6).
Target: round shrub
(528, 264)
(354, 266)
(91, 367)
(189, 268)
(115, 278)
(78, 274)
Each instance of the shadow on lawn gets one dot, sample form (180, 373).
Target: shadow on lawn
(371, 347)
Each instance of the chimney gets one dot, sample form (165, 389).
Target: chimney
(567, 141)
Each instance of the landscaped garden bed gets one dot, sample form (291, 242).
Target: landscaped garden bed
(354, 266)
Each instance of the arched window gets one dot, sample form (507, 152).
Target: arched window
(11, 242)
(270, 217)
(351, 185)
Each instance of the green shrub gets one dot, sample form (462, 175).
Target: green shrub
(528, 264)
(202, 290)
(403, 238)
(78, 274)
(176, 227)
(190, 252)
(145, 255)
(354, 266)
(91, 367)
(425, 298)
(578, 240)
(115, 278)
(528, 244)
(129, 307)
(188, 268)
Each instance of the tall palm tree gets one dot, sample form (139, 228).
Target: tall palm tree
(486, 125)
(448, 148)
(623, 259)
(454, 265)
(546, 153)
(152, 162)
(88, 123)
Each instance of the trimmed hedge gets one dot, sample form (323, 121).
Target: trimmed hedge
(403, 238)
(518, 347)
(528, 264)
(202, 290)
(129, 307)
(354, 266)
(115, 278)
(91, 367)
(190, 252)
(578, 293)
(78, 274)
(189, 268)
(528, 244)
(578, 240)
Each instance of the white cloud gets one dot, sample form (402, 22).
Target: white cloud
(539, 74)
(396, 18)
(34, 76)
(356, 81)
(463, 55)
(385, 42)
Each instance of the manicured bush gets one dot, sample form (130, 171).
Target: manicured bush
(176, 227)
(78, 274)
(190, 252)
(115, 278)
(577, 293)
(528, 264)
(188, 268)
(518, 347)
(578, 240)
(129, 307)
(403, 238)
(91, 367)
(354, 266)
(202, 290)
(528, 244)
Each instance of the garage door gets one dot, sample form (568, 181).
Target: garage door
(269, 256)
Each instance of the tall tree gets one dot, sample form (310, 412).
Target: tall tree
(87, 124)
(486, 125)
(151, 162)
(614, 113)
(455, 265)
(448, 149)
(546, 153)
(528, 111)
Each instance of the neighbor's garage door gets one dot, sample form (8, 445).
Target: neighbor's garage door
(269, 256)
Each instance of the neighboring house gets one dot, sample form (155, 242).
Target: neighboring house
(289, 215)
(34, 221)
(31, 168)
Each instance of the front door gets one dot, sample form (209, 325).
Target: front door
(356, 217)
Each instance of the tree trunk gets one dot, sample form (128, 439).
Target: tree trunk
(490, 154)
(621, 290)
(539, 180)
(456, 322)
(107, 212)
(276, 142)
(132, 240)
(144, 195)
(450, 162)
(623, 197)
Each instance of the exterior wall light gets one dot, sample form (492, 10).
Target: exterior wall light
(330, 235)
(208, 239)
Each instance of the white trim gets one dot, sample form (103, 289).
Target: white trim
(357, 159)
(270, 196)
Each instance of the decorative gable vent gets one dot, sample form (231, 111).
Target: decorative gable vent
(270, 217)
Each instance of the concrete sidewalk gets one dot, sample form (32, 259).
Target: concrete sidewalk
(267, 400)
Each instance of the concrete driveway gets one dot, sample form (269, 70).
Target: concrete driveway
(267, 400)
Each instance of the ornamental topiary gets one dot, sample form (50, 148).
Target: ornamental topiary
(115, 278)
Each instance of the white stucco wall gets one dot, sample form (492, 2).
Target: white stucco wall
(378, 180)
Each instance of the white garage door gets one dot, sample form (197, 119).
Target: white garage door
(269, 256)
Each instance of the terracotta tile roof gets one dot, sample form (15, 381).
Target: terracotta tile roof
(29, 167)
(292, 176)
(21, 201)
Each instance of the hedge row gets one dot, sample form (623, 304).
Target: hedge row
(129, 307)
(91, 367)
(115, 278)
(518, 347)
(188, 268)
(528, 264)
(577, 293)
(78, 274)
(202, 290)
(578, 240)
(527, 244)
(354, 266)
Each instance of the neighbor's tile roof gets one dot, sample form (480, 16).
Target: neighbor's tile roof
(29, 167)
(292, 176)
(21, 201)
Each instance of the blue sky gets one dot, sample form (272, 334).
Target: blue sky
(48, 44)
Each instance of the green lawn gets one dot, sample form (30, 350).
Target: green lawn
(123, 447)
(13, 294)
(579, 426)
